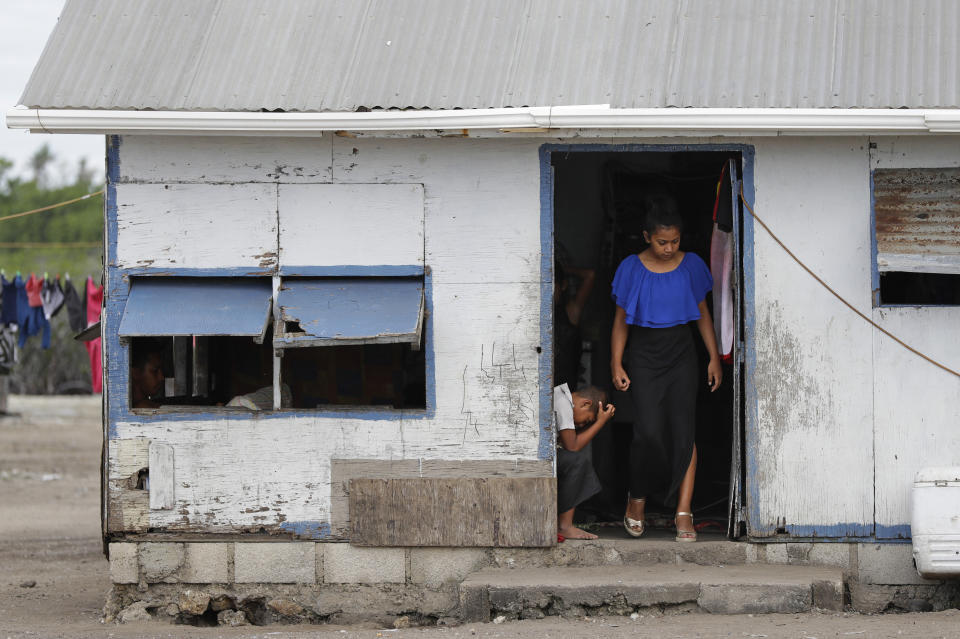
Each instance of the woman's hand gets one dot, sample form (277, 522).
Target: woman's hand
(714, 374)
(620, 380)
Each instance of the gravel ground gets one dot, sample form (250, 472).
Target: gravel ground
(54, 578)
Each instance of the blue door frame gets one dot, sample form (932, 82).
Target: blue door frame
(546, 290)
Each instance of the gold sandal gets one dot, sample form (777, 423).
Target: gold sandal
(685, 536)
(631, 525)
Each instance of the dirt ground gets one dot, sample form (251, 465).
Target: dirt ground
(50, 537)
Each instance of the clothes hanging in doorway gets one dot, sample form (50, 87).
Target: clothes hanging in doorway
(721, 266)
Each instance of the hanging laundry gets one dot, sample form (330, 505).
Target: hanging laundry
(94, 297)
(34, 285)
(8, 301)
(76, 307)
(51, 296)
(30, 318)
(8, 349)
(721, 266)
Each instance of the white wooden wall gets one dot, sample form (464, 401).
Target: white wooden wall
(814, 388)
(207, 203)
(844, 418)
(917, 412)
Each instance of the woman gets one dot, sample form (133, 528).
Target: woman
(658, 292)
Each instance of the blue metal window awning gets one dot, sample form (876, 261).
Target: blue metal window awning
(197, 306)
(338, 311)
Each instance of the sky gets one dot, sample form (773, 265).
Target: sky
(25, 26)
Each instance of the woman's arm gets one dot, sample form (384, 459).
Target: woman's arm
(705, 326)
(576, 305)
(618, 342)
(574, 441)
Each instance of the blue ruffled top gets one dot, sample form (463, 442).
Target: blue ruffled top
(661, 300)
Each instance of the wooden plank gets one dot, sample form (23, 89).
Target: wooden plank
(201, 366)
(161, 476)
(916, 412)
(489, 512)
(351, 224)
(476, 468)
(199, 159)
(197, 225)
(810, 400)
(344, 470)
(482, 200)
(181, 365)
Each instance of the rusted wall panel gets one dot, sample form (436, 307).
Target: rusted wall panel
(917, 213)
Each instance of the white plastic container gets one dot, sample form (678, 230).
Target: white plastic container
(935, 522)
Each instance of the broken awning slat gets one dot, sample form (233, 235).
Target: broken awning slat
(335, 311)
(197, 306)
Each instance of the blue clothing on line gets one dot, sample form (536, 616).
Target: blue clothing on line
(661, 300)
(30, 318)
(8, 301)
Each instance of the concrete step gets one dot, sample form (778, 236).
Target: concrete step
(658, 547)
(663, 589)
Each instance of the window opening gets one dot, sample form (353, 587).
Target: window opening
(916, 225)
(385, 375)
(345, 342)
(206, 371)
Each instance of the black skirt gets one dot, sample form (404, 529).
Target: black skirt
(662, 366)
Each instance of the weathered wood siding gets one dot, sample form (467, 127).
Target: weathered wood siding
(469, 210)
(350, 224)
(810, 412)
(838, 418)
(916, 411)
(494, 511)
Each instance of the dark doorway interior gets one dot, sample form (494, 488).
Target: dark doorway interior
(598, 214)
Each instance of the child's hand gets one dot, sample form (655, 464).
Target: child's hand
(606, 412)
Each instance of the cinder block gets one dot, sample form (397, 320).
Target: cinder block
(888, 564)
(830, 554)
(206, 563)
(277, 563)
(346, 564)
(124, 568)
(776, 553)
(475, 603)
(434, 566)
(828, 595)
(161, 561)
(755, 599)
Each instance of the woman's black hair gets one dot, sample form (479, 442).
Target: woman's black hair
(142, 349)
(661, 212)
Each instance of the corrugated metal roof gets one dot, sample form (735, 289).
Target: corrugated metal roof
(345, 55)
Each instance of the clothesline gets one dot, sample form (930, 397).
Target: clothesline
(52, 206)
(28, 305)
(31, 245)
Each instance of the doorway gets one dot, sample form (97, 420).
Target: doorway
(598, 200)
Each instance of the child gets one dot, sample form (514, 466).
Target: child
(146, 373)
(578, 418)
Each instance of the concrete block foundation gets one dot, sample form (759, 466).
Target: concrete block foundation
(265, 582)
